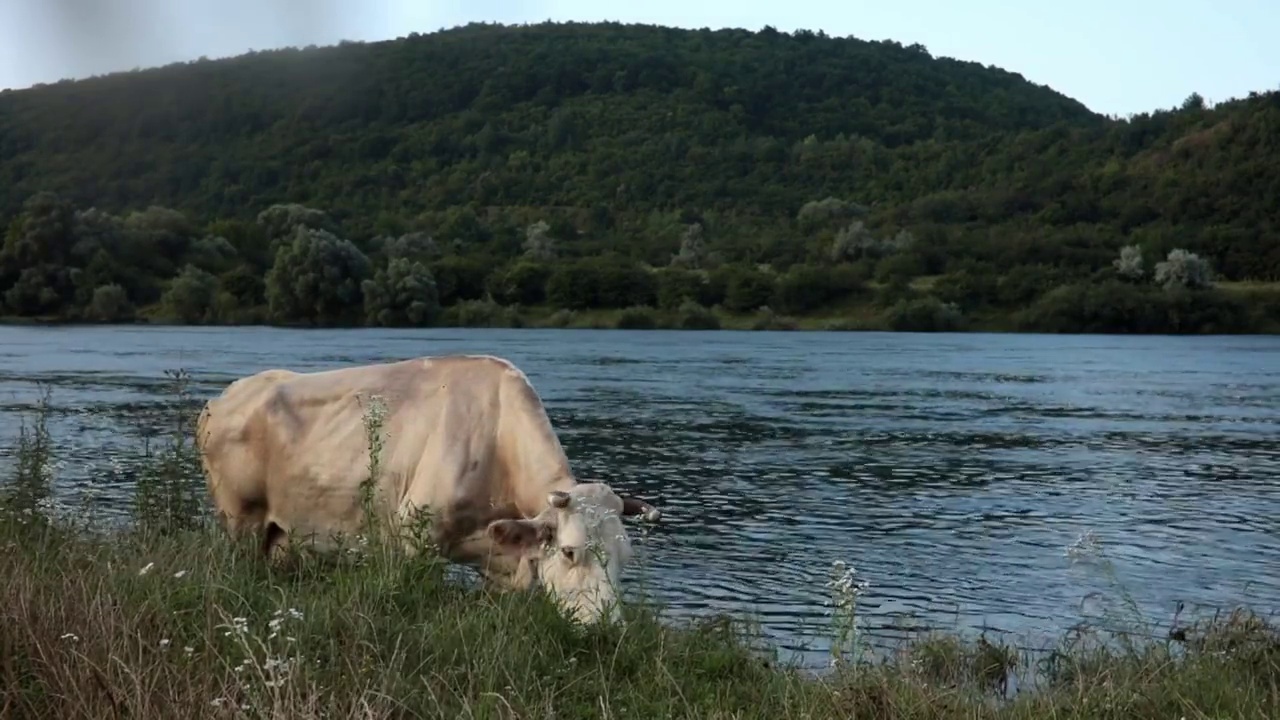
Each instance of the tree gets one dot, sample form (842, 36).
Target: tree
(316, 278)
(853, 242)
(821, 213)
(110, 304)
(1183, 269)
(693, 250)
(191, 296)
(1129, 264)
(539, 246)
(403, 293)
(281, 219)
(410, 246)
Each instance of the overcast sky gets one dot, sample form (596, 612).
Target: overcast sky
(1116, 56)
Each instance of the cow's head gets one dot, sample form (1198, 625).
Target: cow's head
(577, 545)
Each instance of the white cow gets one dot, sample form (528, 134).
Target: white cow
(466, 437)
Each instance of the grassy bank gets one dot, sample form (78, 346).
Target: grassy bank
(165, 618)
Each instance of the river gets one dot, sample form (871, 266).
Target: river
(952, 471)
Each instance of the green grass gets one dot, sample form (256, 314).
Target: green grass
(165, 618)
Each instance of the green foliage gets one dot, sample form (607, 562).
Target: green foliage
(401, 294)
(460, 278)
(110, 304)
(1114, 306)
(746, 288)
(602, 167)
(640, 317)
(316, 277)
(692, 316)
(805, 288)
(676, 285)
(481, 313)
(523, 282)
(191, 296)
(923, 315)
(602, 282)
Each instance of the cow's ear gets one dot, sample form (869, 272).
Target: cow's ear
(520, 534)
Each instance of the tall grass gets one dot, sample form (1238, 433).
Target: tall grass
(167, 618)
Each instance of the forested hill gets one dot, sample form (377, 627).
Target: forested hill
(572, 165)
(554, 114)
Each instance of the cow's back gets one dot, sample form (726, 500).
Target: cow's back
(291, 448)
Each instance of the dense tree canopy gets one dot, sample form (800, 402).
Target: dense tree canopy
(587, 166)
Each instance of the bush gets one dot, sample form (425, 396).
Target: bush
(967, 289)
(676, 285)
(110, 304)
(1116, 306)
(899, 266)
(521, 283)
(745, 288)
(316, 279)
(767, 319)
(1025, 284)
(460, 278)
(560, 319)
(692, 316)
(401, 294)
(923, 315)
(191, 297)
(637, 318)
(481, 313)
(895, 292)
(804, 288)
(602, 282)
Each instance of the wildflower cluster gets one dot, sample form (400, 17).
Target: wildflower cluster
(845, 589)
(266, 663)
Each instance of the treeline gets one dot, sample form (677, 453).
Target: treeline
(292, 265)
(551, 173)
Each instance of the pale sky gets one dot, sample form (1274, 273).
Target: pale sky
(1116, 56)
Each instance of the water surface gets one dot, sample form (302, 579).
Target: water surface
(952, 471)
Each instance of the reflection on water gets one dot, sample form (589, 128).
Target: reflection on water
(951, 471)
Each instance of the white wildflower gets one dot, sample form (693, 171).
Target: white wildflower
(165, 642)
(844, 585)
(238, 626)
(146, 568)
(180, 574)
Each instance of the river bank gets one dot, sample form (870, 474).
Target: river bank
(1108, 307)
(166, 618)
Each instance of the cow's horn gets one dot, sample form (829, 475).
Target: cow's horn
(635, 506)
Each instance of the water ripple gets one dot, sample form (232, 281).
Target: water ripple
(951, 471)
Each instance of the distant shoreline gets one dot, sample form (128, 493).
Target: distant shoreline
(736, 324)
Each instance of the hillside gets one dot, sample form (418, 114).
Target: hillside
(869, 159)
(400, 124)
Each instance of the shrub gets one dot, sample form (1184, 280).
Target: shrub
(481, 313)
(640, 317)
(804, 288)
(692, 316)
(927, 314)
